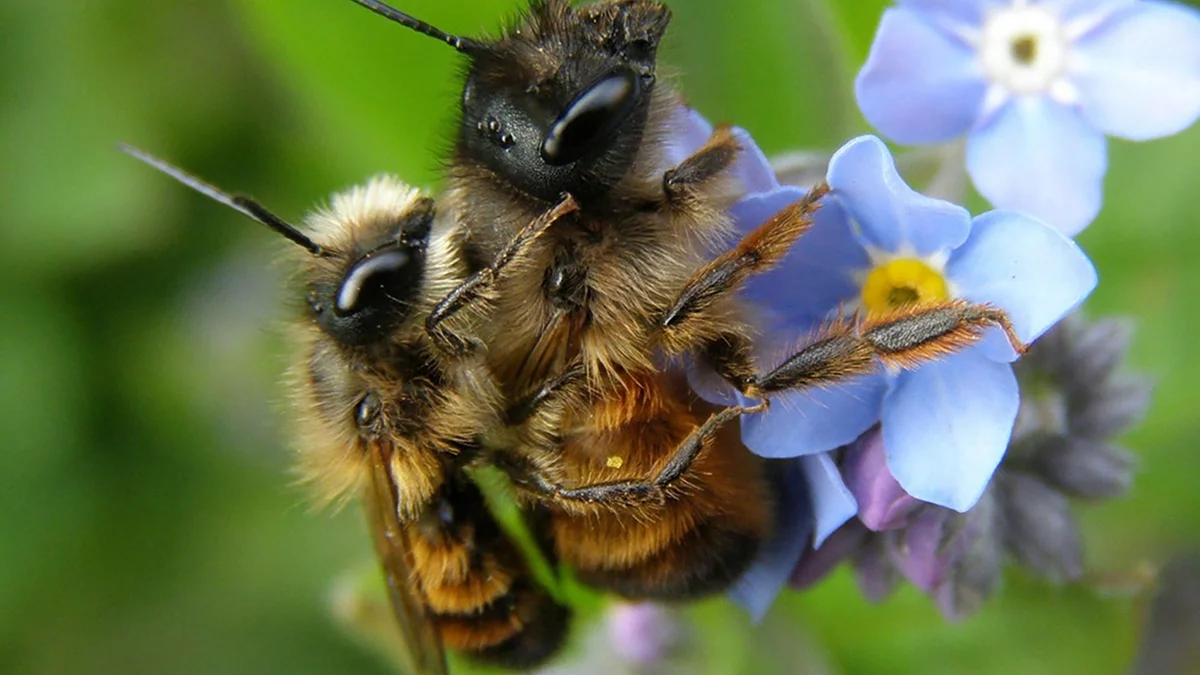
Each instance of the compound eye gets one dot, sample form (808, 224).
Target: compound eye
(375, 281)
(591, 117)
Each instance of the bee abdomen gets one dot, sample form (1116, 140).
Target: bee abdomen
(706, 560)
(697, 543)
(520, 629)
(478, 590)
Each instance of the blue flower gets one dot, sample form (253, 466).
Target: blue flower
(1035, 85)
(875, 243)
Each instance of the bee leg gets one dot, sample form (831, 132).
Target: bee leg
(550, 393)
(731, 356)
(710, 161)
(479, 284)
(758, 251)
(627, 493)
(905, 339)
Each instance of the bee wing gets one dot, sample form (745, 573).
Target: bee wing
(424, 647)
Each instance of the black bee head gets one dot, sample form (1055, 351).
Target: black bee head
(559, 103)
(370, 291)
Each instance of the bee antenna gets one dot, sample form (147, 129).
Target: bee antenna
(464, 45)
(243, 205)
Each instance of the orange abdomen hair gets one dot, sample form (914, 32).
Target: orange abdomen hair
(478, 589)
(715, 516)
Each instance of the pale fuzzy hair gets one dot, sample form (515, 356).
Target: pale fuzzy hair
(353, 208)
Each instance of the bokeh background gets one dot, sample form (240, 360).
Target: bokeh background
(148, 522)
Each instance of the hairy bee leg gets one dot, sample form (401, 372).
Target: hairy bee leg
(732, 357)
(710, 161)
(758, 251)
(636, 492)
(906, 339)
(478, 284)
(549, 392)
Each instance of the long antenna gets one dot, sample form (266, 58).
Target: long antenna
(464, 45)
(243, 205)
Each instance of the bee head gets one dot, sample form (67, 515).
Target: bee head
(559, 102)
(367, 279)
(363, 291)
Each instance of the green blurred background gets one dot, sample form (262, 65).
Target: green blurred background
(149, 524)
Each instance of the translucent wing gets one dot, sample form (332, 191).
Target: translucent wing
(424, 647)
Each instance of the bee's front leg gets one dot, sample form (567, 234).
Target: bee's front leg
(683, 182)
(479, 284)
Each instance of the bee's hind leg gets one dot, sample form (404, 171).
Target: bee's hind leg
(623, 494)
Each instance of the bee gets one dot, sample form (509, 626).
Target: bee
(651, 493)
(385, 414)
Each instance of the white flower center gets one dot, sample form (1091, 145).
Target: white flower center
(1024, 48)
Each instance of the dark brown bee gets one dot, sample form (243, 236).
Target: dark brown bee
(384, 414)
(651, 491)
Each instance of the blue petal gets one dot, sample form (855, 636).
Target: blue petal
(890, 215)
(946, 426)
(710, 386)
(758, 586)
(1086, 12)
(807, 421)
(1139, 71)
(1025, 267)
(919, 84)
(1037, 156)
(967, 12)
(689, 132)
(817, 275)
(754, 209)
(832, 503)
(753, 168)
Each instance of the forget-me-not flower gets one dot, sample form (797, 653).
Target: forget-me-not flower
(1035, 85)
(875, 246)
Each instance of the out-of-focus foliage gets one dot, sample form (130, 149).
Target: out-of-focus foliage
(148, 520)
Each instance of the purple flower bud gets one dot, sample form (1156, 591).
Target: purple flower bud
(1099, 349)
(938, 548)
(1120, 404)
(642, 634)
(882, 503)
(918, 551)
(1041, 532)
(975, 574)
(877, 576)
(1085, 468)
(816, 563)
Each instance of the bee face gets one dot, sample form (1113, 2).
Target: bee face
(365, 298)
(560, 104)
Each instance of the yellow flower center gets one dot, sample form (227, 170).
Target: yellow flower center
(901, 282)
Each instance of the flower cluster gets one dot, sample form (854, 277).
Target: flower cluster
(1076, 400)
(940, 473)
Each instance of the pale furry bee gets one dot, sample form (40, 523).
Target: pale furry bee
(652, 494)
(383, 413)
